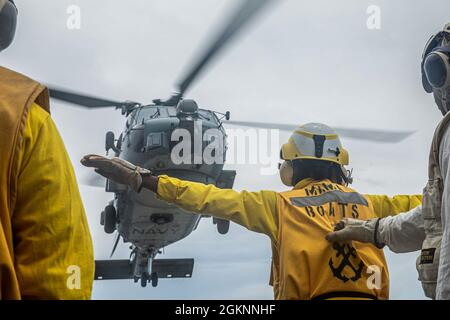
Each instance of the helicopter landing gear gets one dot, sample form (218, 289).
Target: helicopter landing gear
(154, 279)
(144, 279)
(110, 219)
(222, 225)
(142, 261)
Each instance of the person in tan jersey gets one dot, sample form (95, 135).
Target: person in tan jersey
(426, 227)
(45, 244)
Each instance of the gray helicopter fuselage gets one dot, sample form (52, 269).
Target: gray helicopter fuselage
(148, 141)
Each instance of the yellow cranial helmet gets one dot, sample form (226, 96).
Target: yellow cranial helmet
(315, 141)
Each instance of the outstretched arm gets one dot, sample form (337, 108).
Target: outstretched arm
(401, 233)
(404, 232)
(401, 228)
(254, 210)
(384, 206)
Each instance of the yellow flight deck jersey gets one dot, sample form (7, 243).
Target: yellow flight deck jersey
(45, 244)
(52, 238)
(304, 264)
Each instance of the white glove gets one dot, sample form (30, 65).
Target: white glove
(358, 230)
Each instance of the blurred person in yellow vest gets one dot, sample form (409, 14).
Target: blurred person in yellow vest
(304, 264)
(45, 245)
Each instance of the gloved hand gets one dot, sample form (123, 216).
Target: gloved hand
(358, 230)
(117, 170)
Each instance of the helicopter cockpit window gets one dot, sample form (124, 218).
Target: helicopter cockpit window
(205, 115)
(147, 113)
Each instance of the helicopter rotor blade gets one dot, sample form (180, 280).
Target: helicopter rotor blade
(241, 17)
(381, 136)
(84, 100)
(92, 179)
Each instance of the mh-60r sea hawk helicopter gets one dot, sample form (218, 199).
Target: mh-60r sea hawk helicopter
(140, 218)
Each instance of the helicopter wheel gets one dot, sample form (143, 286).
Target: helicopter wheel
(144, 279)
(110, 219)
(154, 279)
(223, 226)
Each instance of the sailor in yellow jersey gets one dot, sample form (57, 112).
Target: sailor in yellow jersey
(45, 245)
(304, 264)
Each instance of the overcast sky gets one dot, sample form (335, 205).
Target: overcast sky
(302, 61)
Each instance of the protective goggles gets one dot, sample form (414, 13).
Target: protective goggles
(436, 63)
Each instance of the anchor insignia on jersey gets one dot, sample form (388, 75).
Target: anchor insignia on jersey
(347, 252)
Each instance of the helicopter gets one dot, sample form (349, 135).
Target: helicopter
(143, 220)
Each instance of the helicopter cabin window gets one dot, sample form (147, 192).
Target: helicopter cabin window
(205, 114)
(147, 113)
